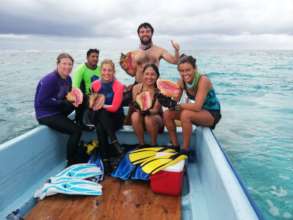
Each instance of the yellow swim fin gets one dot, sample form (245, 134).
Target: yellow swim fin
(148, 148)
(172, 162)
(160, 155)
(140, 155)
(91, 146)
(158, 163)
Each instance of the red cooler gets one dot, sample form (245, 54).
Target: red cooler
(169, 180)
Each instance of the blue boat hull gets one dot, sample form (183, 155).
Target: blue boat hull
(212, 190)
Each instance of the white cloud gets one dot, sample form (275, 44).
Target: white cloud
(224, 21)
(13, 36)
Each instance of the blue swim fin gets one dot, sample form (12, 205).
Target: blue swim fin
(139, 174)
(79, 171)
(70, 186)
(96, 159)
(124, 169)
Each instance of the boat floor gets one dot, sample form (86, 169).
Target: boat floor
(120, 200)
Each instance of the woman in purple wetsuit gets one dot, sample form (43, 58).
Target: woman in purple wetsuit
(52, 106)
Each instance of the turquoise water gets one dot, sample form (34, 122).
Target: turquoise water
(255, 89)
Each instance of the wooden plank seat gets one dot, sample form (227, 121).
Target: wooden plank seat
(120, 200)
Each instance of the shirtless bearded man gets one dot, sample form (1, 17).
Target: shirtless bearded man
(148, 53)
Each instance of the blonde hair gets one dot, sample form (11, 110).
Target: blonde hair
(64, 55)
(108, 61)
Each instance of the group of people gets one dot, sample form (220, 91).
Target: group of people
(53, 105)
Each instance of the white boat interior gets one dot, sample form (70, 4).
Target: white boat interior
(212, 190)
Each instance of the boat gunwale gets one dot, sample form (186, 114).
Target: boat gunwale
(241, 183)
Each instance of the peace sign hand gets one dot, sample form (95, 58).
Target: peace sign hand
(175, 45)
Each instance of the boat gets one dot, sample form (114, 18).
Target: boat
(211, 190)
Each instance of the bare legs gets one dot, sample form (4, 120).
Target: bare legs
(137, 124)
(187, 118)
(152, 123)
(169, 121)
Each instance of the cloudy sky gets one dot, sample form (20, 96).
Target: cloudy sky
(261, 24)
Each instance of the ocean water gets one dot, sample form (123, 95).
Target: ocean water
(255, 89)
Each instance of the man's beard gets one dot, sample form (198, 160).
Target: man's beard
(143, 42)
(144, 45)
